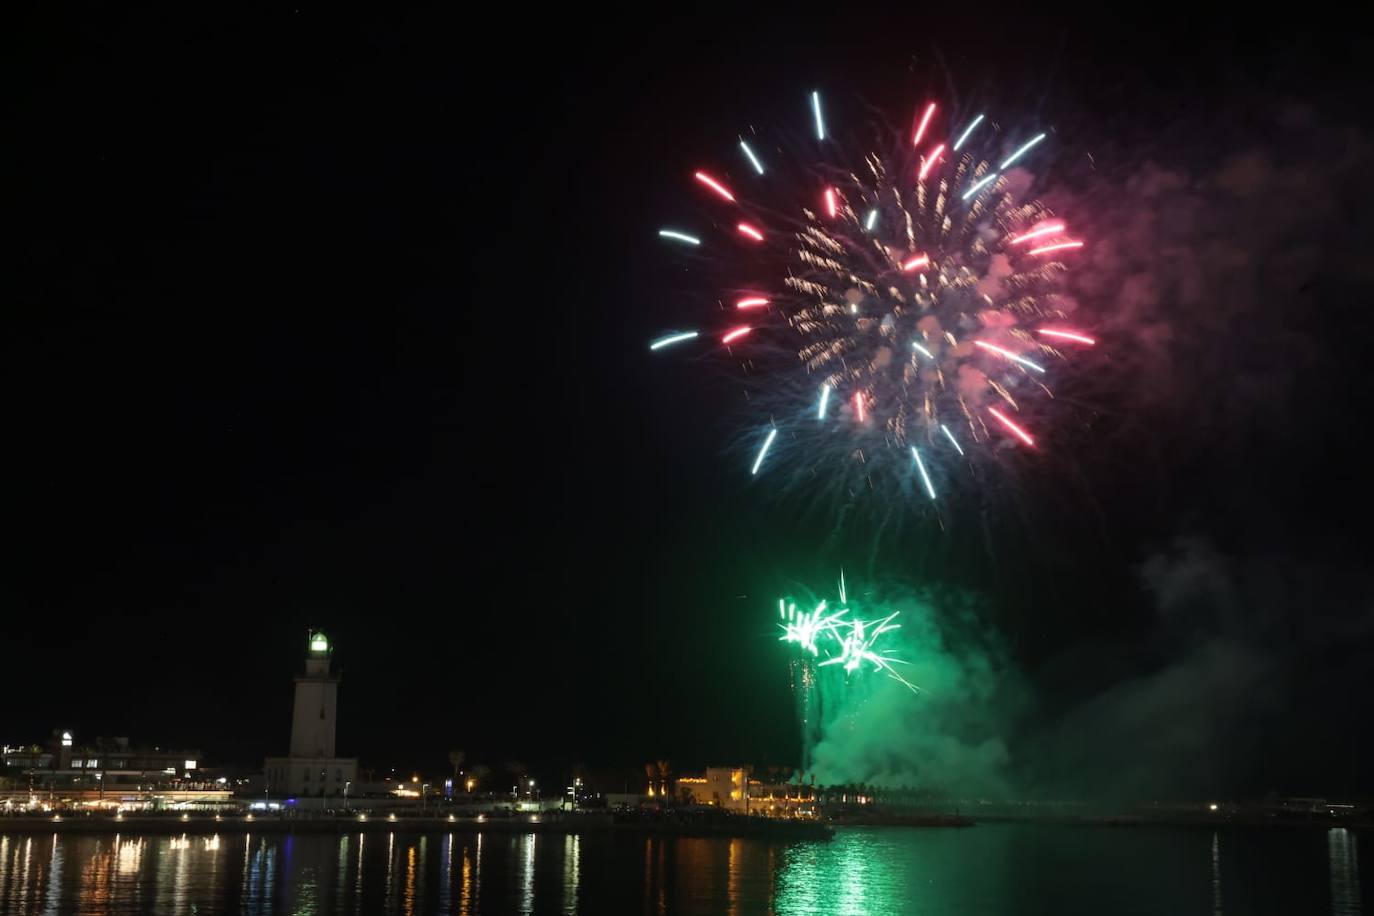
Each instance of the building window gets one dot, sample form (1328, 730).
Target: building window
(77, 763)
(93, 762)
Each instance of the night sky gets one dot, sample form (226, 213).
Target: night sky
(320, 321)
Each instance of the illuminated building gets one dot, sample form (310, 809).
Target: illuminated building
(105, 773)
(722, 787)
(733, 789)
(312, 769)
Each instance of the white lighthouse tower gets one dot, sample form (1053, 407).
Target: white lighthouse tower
(317, 704)
(312, 770)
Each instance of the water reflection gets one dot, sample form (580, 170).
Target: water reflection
(446, 875)
(259, 878)
(94, 890)
(856, 877)
(1216, 874)
(465, 894)
(54, 893)
(390, 857)
(736, 852)
(409, 899)
(341, 868)
(1345, 872)
(358, 884)
(572, 871)
(526, 866)
(990, 869)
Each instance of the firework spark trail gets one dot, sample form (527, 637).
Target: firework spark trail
(952, 441)
(807, 629)
(715, 186)
(1047, 229)
(925, 122)
(1017, 431)
(672, 339)
(1009, 355)
(913, 291)
(979, 185)
(679, 236)
(1067, 335)
(754, 160)
(920, 466)
(833, 637)
(967, 130)
(1058, 246)
(767, 443)
(857, 647)
(1020, 152)
(928, 162)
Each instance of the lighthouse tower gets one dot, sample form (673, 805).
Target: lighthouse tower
(317, 704)
(311, 770)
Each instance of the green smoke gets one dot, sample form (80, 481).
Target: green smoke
(866, 727)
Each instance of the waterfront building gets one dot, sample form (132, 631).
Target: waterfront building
(734, 789)
(105, 773)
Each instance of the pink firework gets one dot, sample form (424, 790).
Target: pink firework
(922, 294)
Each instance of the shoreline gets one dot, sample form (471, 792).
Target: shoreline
(199, 826)
(745, 829)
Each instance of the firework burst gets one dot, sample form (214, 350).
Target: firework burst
(835, 638)
(903, 310)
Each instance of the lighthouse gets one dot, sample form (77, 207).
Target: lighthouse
(317, 703)
(312, 770)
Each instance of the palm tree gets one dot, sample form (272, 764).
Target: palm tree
(649, 770)
(663, 778)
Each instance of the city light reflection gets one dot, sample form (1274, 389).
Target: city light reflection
(1343, 855)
